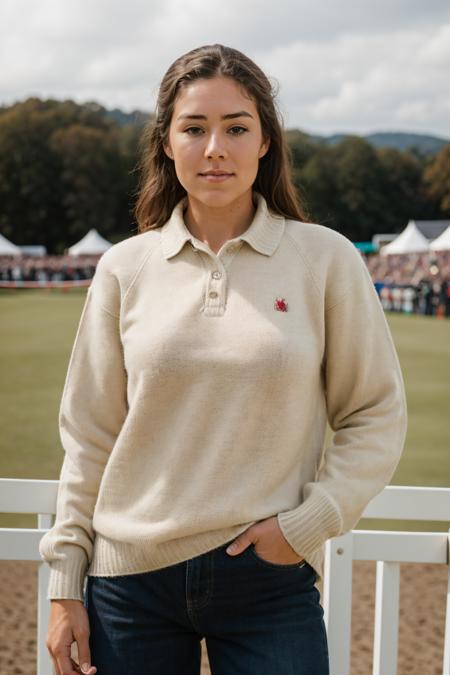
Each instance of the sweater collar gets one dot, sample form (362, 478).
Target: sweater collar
(263, 234)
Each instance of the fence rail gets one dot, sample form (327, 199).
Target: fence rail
(388, 548)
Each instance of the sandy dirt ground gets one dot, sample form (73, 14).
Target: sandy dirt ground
(421, 634)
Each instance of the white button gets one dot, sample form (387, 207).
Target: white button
(213, 294)
(217, 274)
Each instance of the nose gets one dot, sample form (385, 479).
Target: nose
(214, 147)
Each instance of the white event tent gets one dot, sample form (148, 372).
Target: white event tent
(8, 248)
(410, 240)
(91, 244)
(442, 243)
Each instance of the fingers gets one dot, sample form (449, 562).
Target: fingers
(252, 534)
(91, 670)
(50, 650)
(55, 667)
(64, 665)
(69, 622)
(240, 543)
(81, 634)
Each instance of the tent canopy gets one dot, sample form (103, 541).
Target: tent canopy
(410, 240)
(91, 244)
(8, 248)
(442, 243)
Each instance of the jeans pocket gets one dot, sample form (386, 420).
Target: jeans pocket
(280, 566)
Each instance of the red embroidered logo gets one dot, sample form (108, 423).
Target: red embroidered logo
(281, 305)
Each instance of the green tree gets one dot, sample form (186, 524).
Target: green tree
(29, 175)
(318, 177)
(359, 178)
(402, 188)
(437, 181)
(91, 179)
(63, 169)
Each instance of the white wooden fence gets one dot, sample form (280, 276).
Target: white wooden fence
(388, 548)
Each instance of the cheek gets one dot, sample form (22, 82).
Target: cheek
(249, 159)
(185, 161)
(185, 153)
(249, 150)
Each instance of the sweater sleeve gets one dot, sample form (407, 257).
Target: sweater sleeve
(92, 411)
(366, 409)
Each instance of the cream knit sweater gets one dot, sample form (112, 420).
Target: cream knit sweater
(197, 396)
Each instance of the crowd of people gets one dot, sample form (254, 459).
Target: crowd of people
(413, 283)
(416, 283)
(47, 268)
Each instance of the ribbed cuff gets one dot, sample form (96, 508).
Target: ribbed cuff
(67, 578)
(309, 525)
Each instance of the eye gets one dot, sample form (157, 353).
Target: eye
(236, 130)
(189, 129)
(241, 130)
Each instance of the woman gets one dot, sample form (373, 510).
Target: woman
(212, 348)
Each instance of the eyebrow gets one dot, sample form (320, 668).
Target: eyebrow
(229, 116)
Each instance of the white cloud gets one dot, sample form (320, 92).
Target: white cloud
(365, 83)
(436, 51)
(342, 66)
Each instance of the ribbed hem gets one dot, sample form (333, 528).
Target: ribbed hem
(112, 558)
(309, 525)
(303, 527)
(67, 578)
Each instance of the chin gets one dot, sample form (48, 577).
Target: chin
(217, 197)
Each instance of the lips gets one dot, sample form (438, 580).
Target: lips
(217, 172)
(217, 177)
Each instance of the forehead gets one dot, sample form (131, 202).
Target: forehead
(217, 95)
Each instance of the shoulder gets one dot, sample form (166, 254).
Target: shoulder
(319, 240)
(334, 261)
(129, 251)
(118, 266)
(122, 260)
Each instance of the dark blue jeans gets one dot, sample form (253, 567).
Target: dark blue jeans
(257, 618)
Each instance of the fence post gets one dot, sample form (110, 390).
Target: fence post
(44, 662)
(337, 592)
(387, 604)
(446, 668)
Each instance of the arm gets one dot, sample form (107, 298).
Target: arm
(366, 408)
(92, 411)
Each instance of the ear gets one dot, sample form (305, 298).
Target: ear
(264, 148)
(168, 151)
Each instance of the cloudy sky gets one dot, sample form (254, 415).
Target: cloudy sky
(341, 65)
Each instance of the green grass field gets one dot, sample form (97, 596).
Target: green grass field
(37, 330)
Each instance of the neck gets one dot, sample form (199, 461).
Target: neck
(215, 225)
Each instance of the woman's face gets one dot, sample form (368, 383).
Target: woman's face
(215, 126)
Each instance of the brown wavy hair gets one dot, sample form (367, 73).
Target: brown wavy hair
(159, 189)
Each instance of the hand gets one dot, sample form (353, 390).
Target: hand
(270, 542)
(69, 622)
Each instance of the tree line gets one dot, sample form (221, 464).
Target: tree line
(67, 167)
